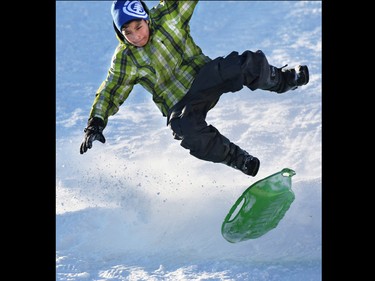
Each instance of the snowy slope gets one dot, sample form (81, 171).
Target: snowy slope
(140, 207)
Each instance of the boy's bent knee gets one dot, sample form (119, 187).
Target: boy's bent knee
(184, 126)
(256, 69)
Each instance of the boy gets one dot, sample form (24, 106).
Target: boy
(157, 51)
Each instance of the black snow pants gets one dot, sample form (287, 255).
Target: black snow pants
(187, 118)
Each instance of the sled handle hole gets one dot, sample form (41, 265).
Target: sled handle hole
(236, 209)
(286, 172)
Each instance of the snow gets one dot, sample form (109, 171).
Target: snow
(140, 207)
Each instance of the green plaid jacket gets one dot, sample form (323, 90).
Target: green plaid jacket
(165, 67)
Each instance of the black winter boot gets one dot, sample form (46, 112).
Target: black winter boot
(241, 160)
(250, 165)
(288, 79)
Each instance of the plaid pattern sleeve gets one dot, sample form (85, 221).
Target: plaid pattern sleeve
(165, 67)
(116, 88)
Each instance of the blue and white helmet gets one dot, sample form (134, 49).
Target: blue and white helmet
(126, 11)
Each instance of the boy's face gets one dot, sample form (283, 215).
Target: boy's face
(136, 33)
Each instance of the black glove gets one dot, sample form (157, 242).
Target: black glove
(95, 127)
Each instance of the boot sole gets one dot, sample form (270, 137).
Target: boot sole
(304, 69)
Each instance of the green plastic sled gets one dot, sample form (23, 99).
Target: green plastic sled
(260, 207)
